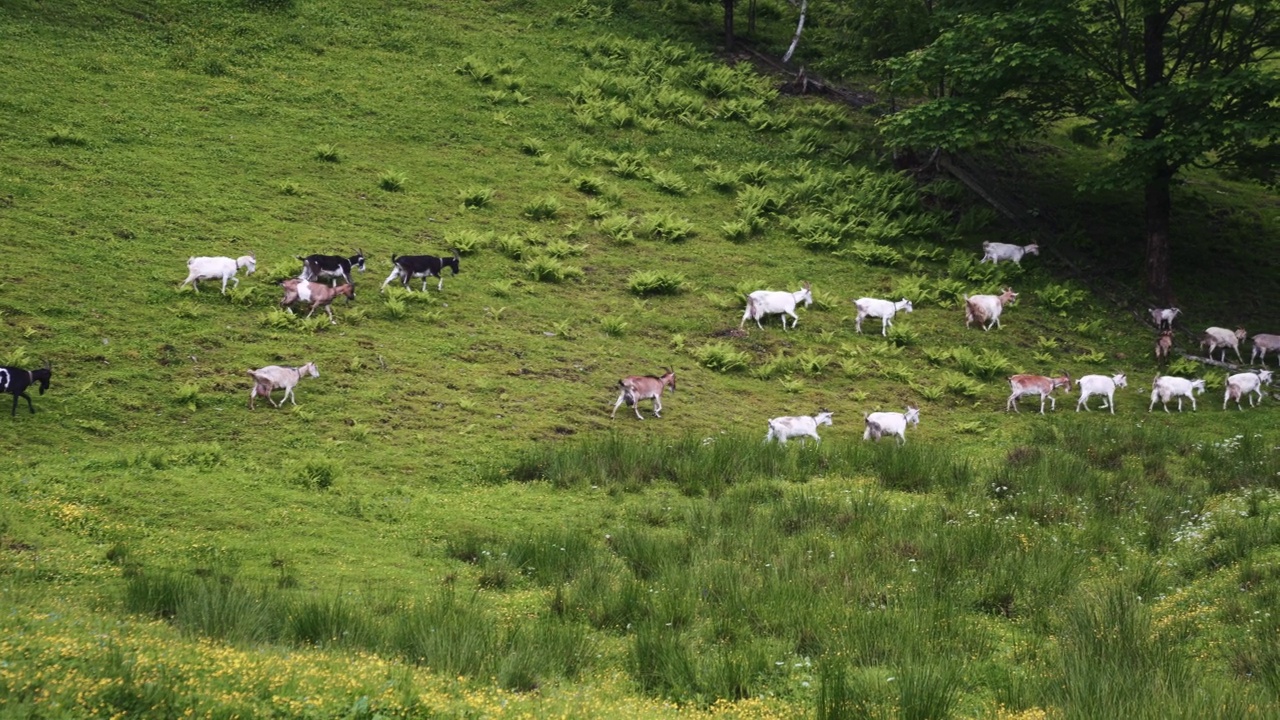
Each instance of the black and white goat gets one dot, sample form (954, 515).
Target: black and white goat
(15, 381)
(318, 267)
(423, 266)
(644, 387)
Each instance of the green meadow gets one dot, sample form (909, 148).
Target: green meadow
(449, 524)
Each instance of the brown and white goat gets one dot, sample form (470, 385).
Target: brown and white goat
(1036, 385)
(986, 309)
(644, 387)
(319, 295)
(1163, 344)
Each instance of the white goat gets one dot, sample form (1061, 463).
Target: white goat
(1036, 385)
(1163, 317)
(274, 376)
(644, 387)
(781, 428)
(1263, 344)
(774, 302)
(987, 308)
(883, 309)
(212, 268)
(997, 251)
(1246, 384)
(1100, 385)
(1167, 387)
(1216, 337)
(880, 424)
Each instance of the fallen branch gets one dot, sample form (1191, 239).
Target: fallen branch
(1211, 361)
(804, 7)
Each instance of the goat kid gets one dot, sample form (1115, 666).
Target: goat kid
(274, 376)
(318, 295)
(15, 381)
(644, 387)
(1090, 385)
(880, 424)
(1263, 344)
(775, 302)
(986, 309)
(883, 309)
(217, 267)
(1167, 387)
(1216, 337)
(423, 266)
(1163, 317)
(318, 267)
(782, 428)
(1036, 385)
(1246, 384)
(997, 251)
(1163, 344)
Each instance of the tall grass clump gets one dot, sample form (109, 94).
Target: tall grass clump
(545, 268)
(655, 282)
(721, 357)
(327, 153)
(447, 634)
(475, 198)
(392, 181)
(665, 226)
(66, 136)
(543, 208)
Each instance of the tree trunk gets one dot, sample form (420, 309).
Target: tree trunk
(1158, 205)
(1157, 228)
(728, 24)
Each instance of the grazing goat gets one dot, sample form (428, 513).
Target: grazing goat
(986, 309)
(213, 268)
(15, 381)
(1167, 387)
(274, 376)
(423, 266)
(883, 309)
(775, 302)
(318, 267)
(997, 251)
(1163, 317)
(644, 387)
(1263, 344)
(298, 290)
(1100, 385)
(1246, 384)
(880, 424)
(781, 428)
(1163, 344)
(1036, 385)
(1216, 337)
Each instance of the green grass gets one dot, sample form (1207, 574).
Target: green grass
(449, 521)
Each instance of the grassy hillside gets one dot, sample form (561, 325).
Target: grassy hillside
(449, 523)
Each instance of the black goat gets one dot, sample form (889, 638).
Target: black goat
(423, 266)
(316, 267)
(15, 381)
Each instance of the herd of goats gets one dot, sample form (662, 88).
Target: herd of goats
(986, 310)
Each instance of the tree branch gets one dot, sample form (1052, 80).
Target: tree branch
(804, 7)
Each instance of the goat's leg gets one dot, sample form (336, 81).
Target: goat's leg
(390, 277)
(657, 405)
(15, 406)
(617, 405)
(440, 285)
(1237, 349)
(235, 282)
(884, 327)
(328, 309)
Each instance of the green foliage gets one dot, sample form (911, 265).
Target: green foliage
(544, 208)
(545, 268)
(66, 136)
(1061, 297)
(392, 181)
(614, 326)
(533, 147)
(665, 226)
(721, 357)
(655, 282)
(327, 152)
(474, 198)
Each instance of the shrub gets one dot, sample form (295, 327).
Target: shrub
(669, 183)
(544, 268)
(986, 364)
(327, 153)
(666, 226)
(66, 136)
(532, 147)
(613, 326)
(468, 242)
(736, 230)
(618, 228)
(589, 184)
(561, 249)
(392, 181)
(655, 282)
(543, 209)
(476, 197)
(316, 474)
(721, 357)
(722, 180)
(1061, 297)
(513, 246)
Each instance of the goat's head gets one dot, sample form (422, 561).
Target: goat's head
(823, 417)
(1063, 382)
(309, 369)
(452, 263)
(1264, 377)
(1198, 386)
(913, 414)
(669, 379)
(1032, 249)
(1241, 334)
(1120, 380)
(346, 289)
(806, 294)
(357, 261)
(46, 372)
(1008, 296)
(906, 305)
